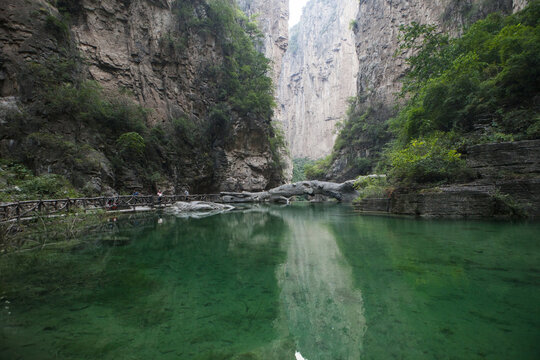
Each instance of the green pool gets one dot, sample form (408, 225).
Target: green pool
(269, 281)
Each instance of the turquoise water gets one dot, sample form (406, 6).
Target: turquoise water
(269, 281)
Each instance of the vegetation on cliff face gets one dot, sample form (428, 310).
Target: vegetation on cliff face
(481, 87)
(100, 139)
(360, 141)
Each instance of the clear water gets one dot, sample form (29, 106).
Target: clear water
(270, 281)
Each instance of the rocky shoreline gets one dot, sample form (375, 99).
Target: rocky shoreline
(506, 185)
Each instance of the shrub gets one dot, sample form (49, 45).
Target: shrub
(371, 186)
(131, 143)
(21, 184)
(318, 170)
(489, 76)
(299, 165)
(57, 27)
(426, 160)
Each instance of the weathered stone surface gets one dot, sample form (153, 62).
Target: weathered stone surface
(519, 4)
(508, 185)
(318, 76)
(503, 159)
(374, 205)
(197, 206)
(126, 45)
(344, 192)
(447, 203)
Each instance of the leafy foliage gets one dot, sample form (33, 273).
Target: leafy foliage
(361, 137)
(372, 186)
(21, 184)
(490, 76)
(299, 165)
(425, 160)
(482, 86)
(242, 81)
(318, 169)
(131, 142)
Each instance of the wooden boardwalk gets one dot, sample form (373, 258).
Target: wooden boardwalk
(23, 209)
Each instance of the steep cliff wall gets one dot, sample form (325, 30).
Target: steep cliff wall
(380, 71)
(141, 48)
(377, 32)
(318, 76)
(273, 20)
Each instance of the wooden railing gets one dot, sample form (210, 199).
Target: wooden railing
(23, 209)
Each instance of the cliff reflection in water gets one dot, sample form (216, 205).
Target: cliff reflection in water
(322, 310)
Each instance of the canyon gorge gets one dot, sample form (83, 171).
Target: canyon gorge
(204, 102)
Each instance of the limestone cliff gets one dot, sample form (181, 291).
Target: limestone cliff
(137, 47)
(273, 20)
(318, 76)
(376, 29)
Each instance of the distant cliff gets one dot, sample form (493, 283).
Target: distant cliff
(273, 20)
(165, 57)
(318, 76)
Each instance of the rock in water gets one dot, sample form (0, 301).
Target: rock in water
(344, 192)
(197, 208)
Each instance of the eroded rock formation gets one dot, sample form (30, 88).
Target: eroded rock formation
(135, 47)
(380, 71)
(507, 184)
(314, 190)
(318, 76)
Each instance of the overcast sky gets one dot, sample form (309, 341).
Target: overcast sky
(295, 9)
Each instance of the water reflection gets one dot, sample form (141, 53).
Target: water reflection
(321, 308)
(271, 283)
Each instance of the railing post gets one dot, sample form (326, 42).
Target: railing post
(40, 205)
(18, 211)
(152, 201)
(67, 205)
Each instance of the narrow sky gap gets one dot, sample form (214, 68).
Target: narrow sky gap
(295, 11)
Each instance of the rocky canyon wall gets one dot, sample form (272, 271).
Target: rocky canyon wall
(273, 20)
(318, 76)
(376, 29)
(136, 47)
(377, 32)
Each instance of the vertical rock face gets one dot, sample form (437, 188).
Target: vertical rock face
(377, 31)
(125, 46)
(273, 19)
(318, 76)
(519, 4)
(272, 16)
(135, 45)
